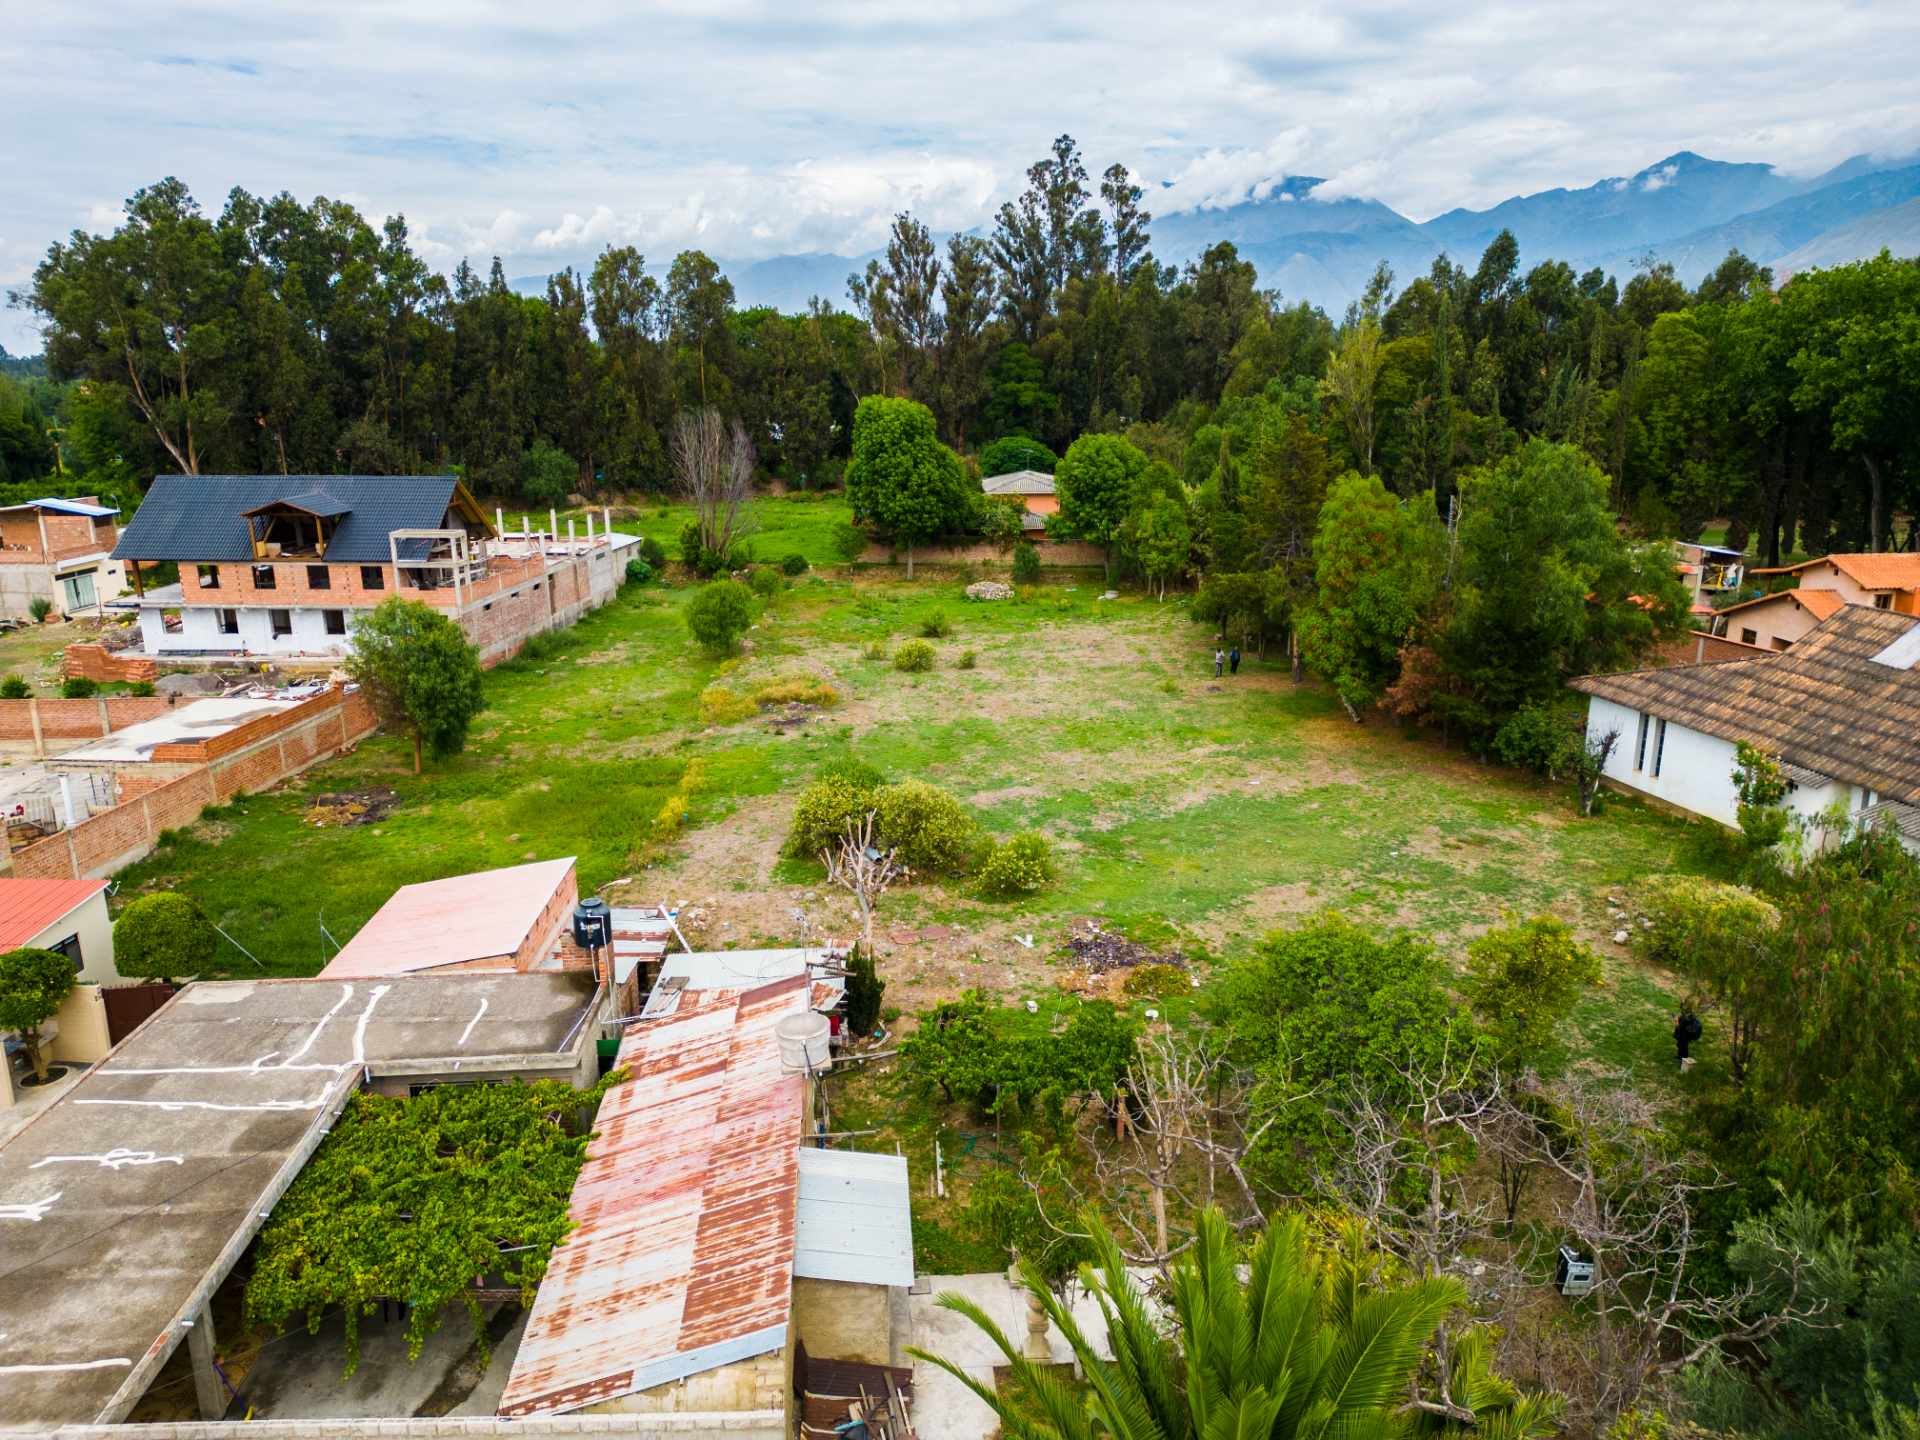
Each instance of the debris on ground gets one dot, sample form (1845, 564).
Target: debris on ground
(1099, 952)
(989, 590)
(352, 807)
(791, 716)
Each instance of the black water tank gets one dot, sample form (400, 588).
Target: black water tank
(592, 923)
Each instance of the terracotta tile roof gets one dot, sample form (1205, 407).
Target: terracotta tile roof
(29, 906)
(1820, 604)
(1827, 704)
(682, 1255)
(1872, 571)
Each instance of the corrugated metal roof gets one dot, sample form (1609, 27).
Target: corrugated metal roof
(201, 517)
(1019, 482)
(741, 969)
(856, 1218)
(446, 922)
(66, 507)
(29, 906)
(682, 1255)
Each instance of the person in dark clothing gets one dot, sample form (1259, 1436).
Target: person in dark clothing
(1233, 661)
(1686, 1030)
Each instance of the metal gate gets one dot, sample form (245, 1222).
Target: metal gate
(127, 1005)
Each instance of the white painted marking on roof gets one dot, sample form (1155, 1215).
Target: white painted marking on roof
(313, 1104)
(69, 1365)
(360, 1030)
(475, 1021)
(114, 1159)
(34, 1210)
(346, 994)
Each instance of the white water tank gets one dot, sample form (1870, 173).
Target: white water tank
(804, 1042)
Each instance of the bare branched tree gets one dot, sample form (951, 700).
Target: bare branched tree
(862, 869)
(713, 465)
(1590, 765)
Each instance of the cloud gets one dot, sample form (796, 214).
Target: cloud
(1659, 179)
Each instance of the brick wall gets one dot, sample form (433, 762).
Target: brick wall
(66, 535)
(290, 587)
(1077, 554)
(288, 743)
(76, 719)
(96, 662)
(768, 1424)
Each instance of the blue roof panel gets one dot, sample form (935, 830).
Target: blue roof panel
(201, 518)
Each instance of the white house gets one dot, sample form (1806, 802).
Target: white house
(1840, 710)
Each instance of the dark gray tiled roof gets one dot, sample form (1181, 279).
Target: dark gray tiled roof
(200, 517)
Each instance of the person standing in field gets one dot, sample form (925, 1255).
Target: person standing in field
(1219, 662)
(1686, 1030)
(1233, 661)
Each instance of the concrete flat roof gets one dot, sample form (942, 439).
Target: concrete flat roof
(200, 720)
(124, 1204)
(463, 918)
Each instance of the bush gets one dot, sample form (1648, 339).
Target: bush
(864, 989)
(794, 564)
(720, 614)
(33, 984)
(936, 627)
(653, 552)
(1523, 981)
(701, 560)
(875, 650)
(671, 817)
(721, 706)
(855, 772)
(1022, 866)
(849, 541)
(914, 657)
(39, 608)
(78, 687)
(796, 690)
(142, 688)
(1026, 563)
(547, 474)
(160, 936)
(639, 571)
(822, 814)
(765, 581)
(1538, 736)
(14, 688)
(967, 660)
(928, 826)
(1156, 981)
(1683, 916)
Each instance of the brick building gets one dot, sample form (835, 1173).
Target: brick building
(276, 565)
(59, 551)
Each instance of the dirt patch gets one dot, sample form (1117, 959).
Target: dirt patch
(351, 807)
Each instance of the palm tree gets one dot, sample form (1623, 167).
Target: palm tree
(1311, 1344)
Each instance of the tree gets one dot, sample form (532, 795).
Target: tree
(713, 466)
(1313, 1342)
(1761, 786)
(901, 476)
(1718, 937)
(1126, 223)
(547, 474)
(864, 870)
(1016, 452)
(1523, 981)
(699, 299)
(163, 935)
(719, 614)
(420, 673)
(1353, 375)
(1096, 482)
(1377, 564)
(33, 985)
(865, 990)
(1162, 539)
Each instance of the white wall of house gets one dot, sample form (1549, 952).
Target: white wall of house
(200, 631)
(87, 927)
(1775, 625)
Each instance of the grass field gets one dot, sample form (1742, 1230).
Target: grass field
(1197, 811)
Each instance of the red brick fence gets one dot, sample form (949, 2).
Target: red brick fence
(96, 662)
(36, 721)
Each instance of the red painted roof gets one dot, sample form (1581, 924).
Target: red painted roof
(685, 1212)
(451, 922)
(29, 906)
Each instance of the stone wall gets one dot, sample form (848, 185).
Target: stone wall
(1054, 554)
(836, 1320)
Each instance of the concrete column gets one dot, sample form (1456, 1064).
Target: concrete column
(39, 740)
(208, 1390)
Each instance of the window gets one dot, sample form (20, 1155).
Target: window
(70, 947)
(319, 577)
(209, 576)
(1659, 747)
(229, 622)
(1883, 601)
(78, 591)
(1747, 637)
(336, 621)
(263, 577)
(281, 622)
(372, 577)
(1640, 745)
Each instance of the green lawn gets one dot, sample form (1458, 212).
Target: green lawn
(1206, 811)
(802, 523)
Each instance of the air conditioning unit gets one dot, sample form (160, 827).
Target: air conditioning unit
(1573, 1273)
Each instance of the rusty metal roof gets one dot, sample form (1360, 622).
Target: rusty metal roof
(682, 1255)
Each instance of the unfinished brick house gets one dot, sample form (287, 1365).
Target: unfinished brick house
(60, 551)
(279, 565)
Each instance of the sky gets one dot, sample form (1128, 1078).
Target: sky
(543, 132)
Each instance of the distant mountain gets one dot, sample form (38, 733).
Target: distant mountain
(1896, 228)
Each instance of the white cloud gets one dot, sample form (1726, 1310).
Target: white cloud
(1659, 179)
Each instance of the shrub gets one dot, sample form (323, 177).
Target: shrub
(823, 812)
(1538, 736)
(1523, 980)
(855, 772)
(1022, 866)
(967, 660)
(794, 564)
(1684, 917)
(142, 688)
(936, 627)
(720, 614)
(639, 571)
(914, 657)
(1026, 563)
(927, 825)
(14, 688)
(698, 558)
(653, 552)
(721, 706)
(39, 608)
(765, 581)
(163, 935)
(864, 989)
(33, 984)
(796, 690)
(1155, 981)
(78, 687)
(672, 815)
(875, 650)
(849, 541)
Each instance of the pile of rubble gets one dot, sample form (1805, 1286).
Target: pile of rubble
(352, 807)
(1099, 952)
(989, 590)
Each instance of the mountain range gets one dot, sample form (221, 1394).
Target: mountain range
(1686, 210)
